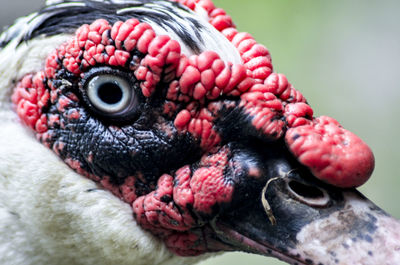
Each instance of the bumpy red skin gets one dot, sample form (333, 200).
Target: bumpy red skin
(334, 155)
(318, 145)
(168, 211)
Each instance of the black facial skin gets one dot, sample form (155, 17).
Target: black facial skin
(291, 196)
(143, 142)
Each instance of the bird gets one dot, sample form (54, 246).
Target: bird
(154, 132)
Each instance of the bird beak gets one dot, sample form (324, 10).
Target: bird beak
(303, 221)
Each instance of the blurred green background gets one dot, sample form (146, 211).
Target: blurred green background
(343, 55)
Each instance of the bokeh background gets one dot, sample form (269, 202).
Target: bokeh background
(343, 55)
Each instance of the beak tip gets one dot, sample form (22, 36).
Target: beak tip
(361, 233)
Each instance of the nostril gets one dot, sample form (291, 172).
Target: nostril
(305, 190)
(308, 194)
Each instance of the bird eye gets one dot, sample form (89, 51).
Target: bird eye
(111, 93)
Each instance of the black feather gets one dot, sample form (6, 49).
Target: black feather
(66, 16)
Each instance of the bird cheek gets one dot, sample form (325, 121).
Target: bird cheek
(181, 204)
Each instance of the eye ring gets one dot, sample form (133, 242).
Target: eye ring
(110, 93)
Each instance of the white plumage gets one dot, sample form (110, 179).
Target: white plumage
(47, 215)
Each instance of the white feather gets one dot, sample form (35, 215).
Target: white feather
(48, 217)
(46, 214)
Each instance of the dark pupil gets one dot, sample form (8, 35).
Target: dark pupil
(110, 93)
